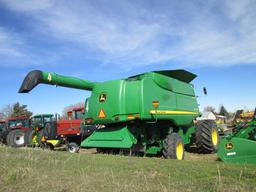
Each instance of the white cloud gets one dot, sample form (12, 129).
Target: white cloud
(129, 34)
(9, 44)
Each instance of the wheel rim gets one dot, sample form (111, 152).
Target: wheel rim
(19, 139)
(179, 151)
(72, 149)
(214, 137)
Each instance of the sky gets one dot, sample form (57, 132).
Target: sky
(102, 40)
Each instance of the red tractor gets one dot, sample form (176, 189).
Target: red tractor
(70, 131)
(16, 128)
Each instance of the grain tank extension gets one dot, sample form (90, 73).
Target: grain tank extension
(150, 113)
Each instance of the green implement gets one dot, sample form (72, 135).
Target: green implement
(240, 147)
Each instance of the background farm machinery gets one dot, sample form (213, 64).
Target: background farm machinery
(240, 146)
(151, 113)
(46, 130)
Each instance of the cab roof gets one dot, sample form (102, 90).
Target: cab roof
(20, 117)
(179, 74)
(44, 115)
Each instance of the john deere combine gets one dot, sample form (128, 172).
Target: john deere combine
(151, 113)
(240, 147)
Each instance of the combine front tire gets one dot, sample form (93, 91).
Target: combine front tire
(207, 137)
(173, 147)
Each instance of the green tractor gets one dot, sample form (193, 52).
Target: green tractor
(152, 113)
(240, 146)
(40, 130)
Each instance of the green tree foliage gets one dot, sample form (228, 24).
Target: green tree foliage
(20, 110)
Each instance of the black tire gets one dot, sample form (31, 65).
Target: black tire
(9, 138)
(48, 146)
(18, 138)
(207, 136)
(72, 147)
(29, 137)
(173, 147)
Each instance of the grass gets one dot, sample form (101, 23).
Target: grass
(36, 170)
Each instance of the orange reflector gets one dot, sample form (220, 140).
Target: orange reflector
(43, 139)
(130, 116)
(155, 104)
(101, 114)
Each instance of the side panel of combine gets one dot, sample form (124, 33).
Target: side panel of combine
(176, 99)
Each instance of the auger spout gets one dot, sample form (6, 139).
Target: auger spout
(36, 77)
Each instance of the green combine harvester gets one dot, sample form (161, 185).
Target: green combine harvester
(152, 113)
(240, 147)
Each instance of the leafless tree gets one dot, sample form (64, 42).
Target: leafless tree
(210, 109)
(6, 112)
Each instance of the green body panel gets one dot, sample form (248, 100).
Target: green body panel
(135, 96)
(243, 150)
(119, 137)
(240, 147)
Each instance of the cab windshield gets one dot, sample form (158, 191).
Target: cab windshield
(78, 114)
(42, 120)
(18, 123)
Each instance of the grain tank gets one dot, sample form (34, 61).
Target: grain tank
(150, 113)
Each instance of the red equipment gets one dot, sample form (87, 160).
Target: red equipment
(71, 126)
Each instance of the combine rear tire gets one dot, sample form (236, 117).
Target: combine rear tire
(18, 138)
(72, 147)
(207, 137)
(173, 147)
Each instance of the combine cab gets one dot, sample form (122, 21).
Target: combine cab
(149, 114)
(240, 147)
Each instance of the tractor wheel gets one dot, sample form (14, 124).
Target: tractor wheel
(49, 146)
(207, 137)
(173, 147)
(72, 147)
(18, 139)
(30, 138)
(9, 138)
